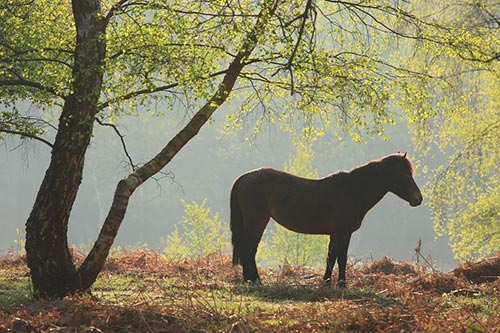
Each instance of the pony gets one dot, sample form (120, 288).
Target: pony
(334, 205)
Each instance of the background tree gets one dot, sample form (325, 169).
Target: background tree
(201, 234)
(89, 62)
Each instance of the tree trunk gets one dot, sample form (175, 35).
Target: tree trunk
(52, 270)
(51, 267)
(94, 262)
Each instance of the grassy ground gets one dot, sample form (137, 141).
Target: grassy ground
(140, 291)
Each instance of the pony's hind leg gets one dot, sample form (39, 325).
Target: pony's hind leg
(254, 234)
(252, 268)
(250, 272)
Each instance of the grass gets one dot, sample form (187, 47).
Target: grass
(140, 291)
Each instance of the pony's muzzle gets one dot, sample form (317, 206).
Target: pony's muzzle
(416, 200)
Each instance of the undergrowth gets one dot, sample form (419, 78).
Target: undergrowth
(141, 291)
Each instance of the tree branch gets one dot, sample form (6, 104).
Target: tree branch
(304, 17)
(136, 93)
(32, 84)
(114, 8)
(122, 139)
(28, 135)
(288, 66)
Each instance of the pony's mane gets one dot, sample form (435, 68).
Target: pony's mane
(388, 160)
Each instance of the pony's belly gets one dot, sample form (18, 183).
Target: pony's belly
(303, 226)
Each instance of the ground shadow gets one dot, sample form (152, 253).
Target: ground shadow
(314, 291)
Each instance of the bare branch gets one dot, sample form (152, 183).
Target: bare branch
(122, 139)
(476, 59)
(131, 51)
(304, 17)
(38, 60)
(493, 17)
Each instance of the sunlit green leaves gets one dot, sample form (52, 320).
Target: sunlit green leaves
(475, 231)
(14, 123)
(464, 191)
(454, 108)
(334, 65)
(176, 50)
(36, 44)
(202, 233)
(316, 63)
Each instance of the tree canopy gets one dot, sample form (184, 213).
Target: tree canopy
(332, 60)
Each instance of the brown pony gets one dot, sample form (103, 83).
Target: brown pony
(334, 205)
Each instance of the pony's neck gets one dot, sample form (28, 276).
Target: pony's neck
(373, 185)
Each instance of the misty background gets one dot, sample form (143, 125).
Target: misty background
(206, 168)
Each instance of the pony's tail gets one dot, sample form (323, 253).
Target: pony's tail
(236, 223)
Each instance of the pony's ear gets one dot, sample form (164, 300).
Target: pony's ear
(404, 156)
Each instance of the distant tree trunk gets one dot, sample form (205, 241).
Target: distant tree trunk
(52, 270)
(95, 260)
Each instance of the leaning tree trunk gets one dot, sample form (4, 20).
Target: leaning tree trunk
(51, 267)
(94, 262)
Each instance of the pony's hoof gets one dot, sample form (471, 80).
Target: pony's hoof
(252, 282)
(341, 284)
(327, 280)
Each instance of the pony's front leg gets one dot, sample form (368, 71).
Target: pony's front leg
(342, 244)
(250, 273)
(330, 260)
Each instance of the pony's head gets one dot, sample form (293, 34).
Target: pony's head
(399, 171)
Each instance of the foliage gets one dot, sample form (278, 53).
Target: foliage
(292, 247)
(12, 122)
(465, 192)
(318, 63)
(141, 291)
(35, 52)
(457, 120)
(201, 233)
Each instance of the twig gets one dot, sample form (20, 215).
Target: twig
(122, 139)
(418, 254)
